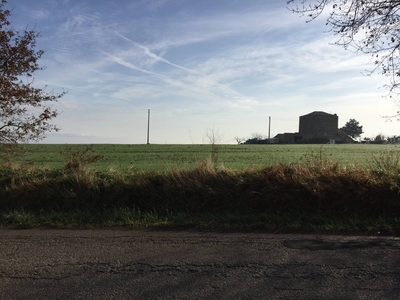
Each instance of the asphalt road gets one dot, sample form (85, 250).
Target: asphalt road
(140, 264)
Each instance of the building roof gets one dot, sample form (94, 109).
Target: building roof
(318, 113)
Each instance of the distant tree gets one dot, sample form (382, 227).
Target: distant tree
(392, 139)
(24, 111)
(368, 26)
(239, 140)
(380, 139)
(258, 136)
(251, 141)
(352, 128)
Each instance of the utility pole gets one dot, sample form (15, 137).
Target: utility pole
(148, 126)
(269, 129)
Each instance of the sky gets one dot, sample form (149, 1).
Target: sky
(210, 68)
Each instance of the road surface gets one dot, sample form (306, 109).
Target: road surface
(144, 264)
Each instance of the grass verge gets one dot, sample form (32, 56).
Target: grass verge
(318, 196)
(272, 223)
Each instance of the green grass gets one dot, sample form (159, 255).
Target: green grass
(266, 222)
(276, 188)
(166, 157)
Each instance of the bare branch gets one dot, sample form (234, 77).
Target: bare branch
(369, 26)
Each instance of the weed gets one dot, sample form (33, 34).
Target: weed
(8, 154)
(214, 139)
(315, 158)
(78, 159)
(386, 162)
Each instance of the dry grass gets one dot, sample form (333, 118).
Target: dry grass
(315, 188)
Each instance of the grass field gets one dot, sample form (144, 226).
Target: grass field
(279, 188)
(238, 157)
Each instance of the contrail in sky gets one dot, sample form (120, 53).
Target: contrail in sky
(129, 65)
(152, 55)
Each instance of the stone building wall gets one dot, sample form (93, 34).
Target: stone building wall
(319, 124)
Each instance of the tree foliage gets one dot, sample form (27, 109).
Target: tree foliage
(25, 111)
(353, 128)
(380, 138)
(370, 26)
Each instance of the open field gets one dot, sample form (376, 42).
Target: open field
(238, 157)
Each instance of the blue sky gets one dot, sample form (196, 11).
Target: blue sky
(218, 65)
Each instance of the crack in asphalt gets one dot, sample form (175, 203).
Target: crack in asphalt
(287, 271)
(314, 245)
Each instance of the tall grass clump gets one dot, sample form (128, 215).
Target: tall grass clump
(386, 162)
(77, 160)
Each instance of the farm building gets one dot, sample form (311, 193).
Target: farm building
(318, 124)
(316, 127)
